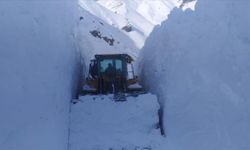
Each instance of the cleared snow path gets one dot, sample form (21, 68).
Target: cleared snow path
(100, 123)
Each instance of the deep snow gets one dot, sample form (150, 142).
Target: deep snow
(199, 68)
(196, 62)
(100, 123)
(38, 68)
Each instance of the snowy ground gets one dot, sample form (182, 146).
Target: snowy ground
(100, 123)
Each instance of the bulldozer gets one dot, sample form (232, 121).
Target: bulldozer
(111, 73)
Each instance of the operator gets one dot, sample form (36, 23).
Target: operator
(110, 73)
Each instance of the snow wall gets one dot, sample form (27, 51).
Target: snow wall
(197, 62)
(38, 72)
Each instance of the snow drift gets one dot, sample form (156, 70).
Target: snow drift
(38, 64)
(200, 69)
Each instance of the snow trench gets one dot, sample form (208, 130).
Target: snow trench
(98, 19)
(196, 62)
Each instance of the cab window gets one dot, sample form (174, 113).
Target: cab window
(118, 64)
(104, 64)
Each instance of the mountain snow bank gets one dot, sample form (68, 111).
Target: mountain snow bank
(127, 23)
(198, 64)
(38, 65)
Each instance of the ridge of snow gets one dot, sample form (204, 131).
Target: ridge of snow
(199, 68)
(141, 15)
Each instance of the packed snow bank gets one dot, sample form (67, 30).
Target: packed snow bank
(38, 66)
(98, 122)
(199, 67)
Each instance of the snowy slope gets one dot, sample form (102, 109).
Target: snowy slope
(92, 45)
(100, 123)
(128, 22)
(201, 59)
(37, 63)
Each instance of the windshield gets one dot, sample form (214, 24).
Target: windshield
(116, 63)
(104, 64)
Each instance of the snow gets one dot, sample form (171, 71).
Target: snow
(189, 5)
(98, 122)
(199, 68)
(196, 62)
(40, 62)
(136, 85)
(38, 69)
(109, 17)
(91, 45)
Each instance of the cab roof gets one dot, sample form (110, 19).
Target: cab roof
(113, 56)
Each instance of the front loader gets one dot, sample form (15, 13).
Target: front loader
(111, 73)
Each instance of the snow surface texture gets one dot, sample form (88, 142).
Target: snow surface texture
(37, 71)
(100, 123)
(127, 22)
(199, 67)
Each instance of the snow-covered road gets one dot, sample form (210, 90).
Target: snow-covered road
(100, 123)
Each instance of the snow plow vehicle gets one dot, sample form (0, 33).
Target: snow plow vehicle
(111, 73)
